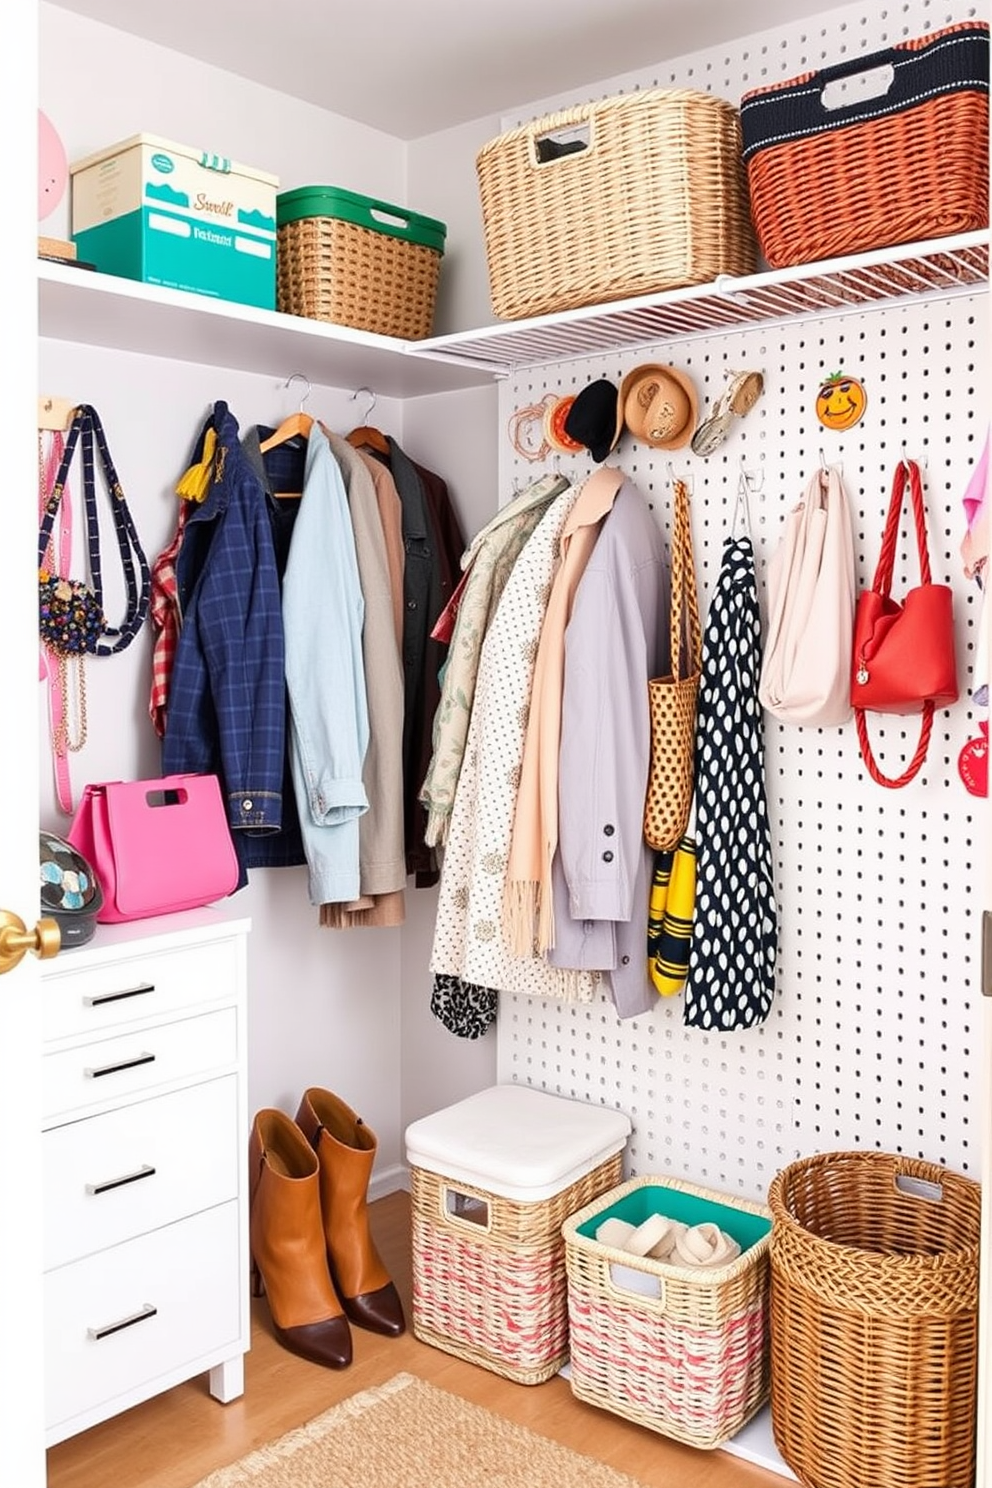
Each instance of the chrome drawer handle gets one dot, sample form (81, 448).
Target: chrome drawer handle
(145, 1171)
(114, 1069)
(148, 1311)
(104, 997)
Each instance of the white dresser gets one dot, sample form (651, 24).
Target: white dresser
(145, 1165)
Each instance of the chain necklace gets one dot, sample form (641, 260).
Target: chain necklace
(69, 726)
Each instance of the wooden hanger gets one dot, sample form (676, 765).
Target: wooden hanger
(365, 434)
(297, 424)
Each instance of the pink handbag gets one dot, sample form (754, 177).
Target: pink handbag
(156, 846)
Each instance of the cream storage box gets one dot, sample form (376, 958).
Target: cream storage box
(183, 218)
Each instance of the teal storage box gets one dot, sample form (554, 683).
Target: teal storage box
(681, 1349)
(358, 262)
(168, 214)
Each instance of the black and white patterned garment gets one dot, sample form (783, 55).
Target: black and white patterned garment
(731, 978)
(466, 1010)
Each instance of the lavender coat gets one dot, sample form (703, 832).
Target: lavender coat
(616, 639)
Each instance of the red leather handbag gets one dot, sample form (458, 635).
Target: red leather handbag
(903, 659)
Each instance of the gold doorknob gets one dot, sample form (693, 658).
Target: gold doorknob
(44, 941)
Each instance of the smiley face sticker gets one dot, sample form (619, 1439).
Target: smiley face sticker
(841, 401)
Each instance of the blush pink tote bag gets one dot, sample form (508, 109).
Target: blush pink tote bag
(156, 846)
(806, 669)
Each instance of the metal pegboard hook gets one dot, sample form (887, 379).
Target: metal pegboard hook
(754, 481)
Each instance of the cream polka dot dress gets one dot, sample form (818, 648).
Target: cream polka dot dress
(468, 936)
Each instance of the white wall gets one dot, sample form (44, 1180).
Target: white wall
(433, 1060)
(99, 85)
(441, 181)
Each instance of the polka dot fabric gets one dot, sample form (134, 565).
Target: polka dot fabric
(731, 979)
(468, 934)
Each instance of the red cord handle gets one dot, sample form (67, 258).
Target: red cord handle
(915, 764)
(887, 553)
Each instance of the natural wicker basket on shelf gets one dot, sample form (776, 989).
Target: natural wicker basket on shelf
(874, 1321)
(366, 264)
(865, 170)
(628, 196)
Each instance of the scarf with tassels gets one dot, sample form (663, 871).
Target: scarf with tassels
(528, 918)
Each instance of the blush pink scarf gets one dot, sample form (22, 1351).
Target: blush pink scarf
(528, 921)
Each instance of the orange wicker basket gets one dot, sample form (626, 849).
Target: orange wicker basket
(835, 166)
(627, 196)
(874, 1321)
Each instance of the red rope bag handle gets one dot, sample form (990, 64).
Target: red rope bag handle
(883, 585)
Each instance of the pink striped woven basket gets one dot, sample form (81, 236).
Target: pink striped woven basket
(683, 1351)
(489, 1279)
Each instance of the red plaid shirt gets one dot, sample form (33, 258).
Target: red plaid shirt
(166, 620)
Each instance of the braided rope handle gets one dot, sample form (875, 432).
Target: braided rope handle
(915, 764)
(685, 597)
(887, 553)
(906, 469)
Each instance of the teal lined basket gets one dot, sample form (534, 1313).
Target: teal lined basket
(357, 261)
(680, 1350)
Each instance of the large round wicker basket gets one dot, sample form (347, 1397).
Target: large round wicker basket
(874, 1321)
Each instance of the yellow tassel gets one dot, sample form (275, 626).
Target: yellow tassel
(195, 482)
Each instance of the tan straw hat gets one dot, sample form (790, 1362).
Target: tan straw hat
(659, 406)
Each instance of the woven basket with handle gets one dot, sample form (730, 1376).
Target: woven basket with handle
(627, 196)
(874, 1321)
(834, 168)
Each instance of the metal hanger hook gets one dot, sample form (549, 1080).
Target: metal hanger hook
(302, 377)
(752, 481)
(372, 400)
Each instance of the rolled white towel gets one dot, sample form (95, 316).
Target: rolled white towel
(705, 1245)
(655, 1237)
(614, 1232)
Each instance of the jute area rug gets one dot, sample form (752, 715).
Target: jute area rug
(409, 1434)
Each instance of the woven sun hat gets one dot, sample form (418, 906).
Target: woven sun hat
(659, 406)
(556, 413)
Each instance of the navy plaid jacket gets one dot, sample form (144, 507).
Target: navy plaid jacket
(227, 694)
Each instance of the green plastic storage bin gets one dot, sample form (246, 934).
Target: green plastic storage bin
(357, 261)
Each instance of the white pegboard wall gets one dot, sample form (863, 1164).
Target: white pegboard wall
(872, 1038)
(756, 61)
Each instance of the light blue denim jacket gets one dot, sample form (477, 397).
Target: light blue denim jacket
(323, 613)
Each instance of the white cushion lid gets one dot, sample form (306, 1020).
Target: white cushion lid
(516, 1141)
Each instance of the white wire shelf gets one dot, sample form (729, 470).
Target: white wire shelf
(910, 271)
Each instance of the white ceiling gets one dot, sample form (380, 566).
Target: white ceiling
(411, 67)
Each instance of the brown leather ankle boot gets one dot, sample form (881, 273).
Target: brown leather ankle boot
(345, 1149)
(287, 1242)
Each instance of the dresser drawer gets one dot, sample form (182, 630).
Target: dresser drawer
(179, 1285)
(95, 998)
(113, 1176)
(130, 1064)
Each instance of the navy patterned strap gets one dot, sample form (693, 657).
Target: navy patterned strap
(86, 430)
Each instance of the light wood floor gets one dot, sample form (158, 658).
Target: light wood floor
(177, 1438)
